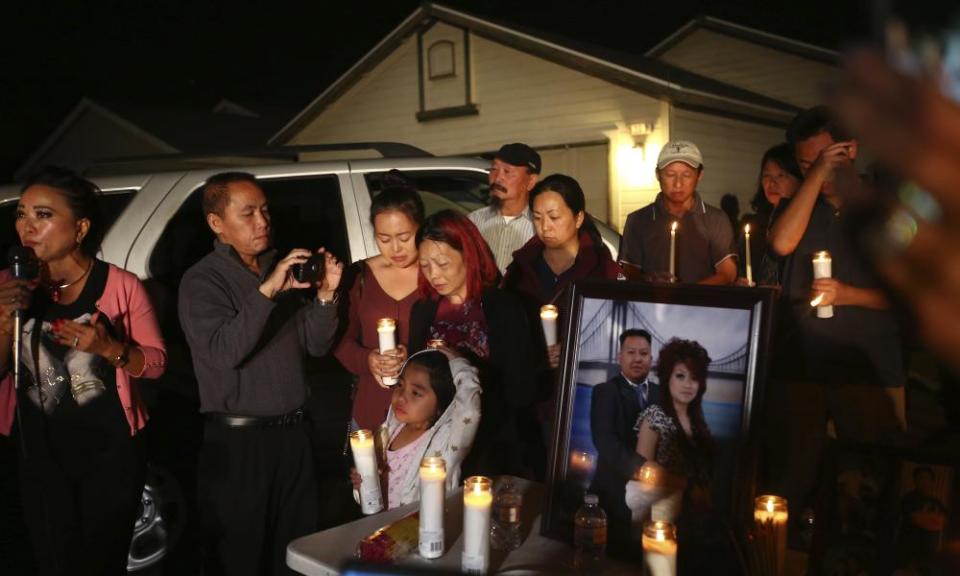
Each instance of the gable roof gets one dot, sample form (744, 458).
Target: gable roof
(637, 72)
(759, 37)
(170, 130)
(85, 106)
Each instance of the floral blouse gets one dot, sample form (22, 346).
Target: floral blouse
(675, 452)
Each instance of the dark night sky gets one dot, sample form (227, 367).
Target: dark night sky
(282, 54)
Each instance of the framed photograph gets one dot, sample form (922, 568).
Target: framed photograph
(926, 514)
(889, 512)
(723, 334)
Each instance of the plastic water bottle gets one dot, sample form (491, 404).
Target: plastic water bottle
(589, 536)
(505, 521)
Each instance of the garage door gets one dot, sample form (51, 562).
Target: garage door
(588, 163)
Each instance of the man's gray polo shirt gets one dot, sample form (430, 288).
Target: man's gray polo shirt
(704, 239)
(502, 235)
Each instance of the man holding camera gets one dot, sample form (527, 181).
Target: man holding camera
(250, 330)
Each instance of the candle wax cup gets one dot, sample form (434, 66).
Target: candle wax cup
(659, 556)
(476, 530)
(431, 511)
(365, 460)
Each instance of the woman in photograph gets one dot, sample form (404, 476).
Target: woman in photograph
(567, 247)
(383, 286)
(779, 178)
(89, 336)
(673, 432)
(462, 306)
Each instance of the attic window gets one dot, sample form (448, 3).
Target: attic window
(440, 60)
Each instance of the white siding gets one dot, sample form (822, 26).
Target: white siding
(520, 98)
(588, 164)
(731, 153)
(792, 79)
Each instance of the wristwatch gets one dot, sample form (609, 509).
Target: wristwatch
(123, 358)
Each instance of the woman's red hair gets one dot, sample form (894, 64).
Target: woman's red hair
(462, 235)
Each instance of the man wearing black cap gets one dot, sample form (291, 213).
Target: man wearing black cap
(506, 224)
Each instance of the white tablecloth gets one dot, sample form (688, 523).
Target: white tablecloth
(322, 553)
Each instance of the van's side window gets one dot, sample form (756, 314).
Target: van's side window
(304, 213)
(458, 190)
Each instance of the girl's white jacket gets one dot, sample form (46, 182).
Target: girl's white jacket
(451, 436)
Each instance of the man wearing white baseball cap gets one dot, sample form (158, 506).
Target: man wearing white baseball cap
(705, 251)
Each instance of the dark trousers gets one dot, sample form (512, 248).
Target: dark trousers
(80, 511)
(256, 492)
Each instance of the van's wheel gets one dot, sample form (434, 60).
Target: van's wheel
(160, 521)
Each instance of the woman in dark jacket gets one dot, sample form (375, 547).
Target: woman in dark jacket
(462, 305)
(567, 247)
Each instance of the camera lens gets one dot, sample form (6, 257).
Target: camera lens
(309, 272)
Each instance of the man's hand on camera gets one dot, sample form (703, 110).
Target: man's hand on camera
(280, 279)
(333, 270)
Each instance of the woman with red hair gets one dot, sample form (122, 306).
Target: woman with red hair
(462, 305)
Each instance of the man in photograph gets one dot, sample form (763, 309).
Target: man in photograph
(614, 409)
(506, 223)
(705, 251)
(922, 519)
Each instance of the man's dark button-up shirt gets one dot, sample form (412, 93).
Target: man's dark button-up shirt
(249, 352)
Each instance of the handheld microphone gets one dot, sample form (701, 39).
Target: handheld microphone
(23, 266)
(23, 263)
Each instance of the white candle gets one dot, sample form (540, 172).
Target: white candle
(365, 459)
(477, 498)
(770, 516)
(387, 333)
(433, 475)
(659, 549)
(822, 268)
(548, 317)
(746, 234)
(673, 250)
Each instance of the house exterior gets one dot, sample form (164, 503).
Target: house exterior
(97, 136)
(453, 83)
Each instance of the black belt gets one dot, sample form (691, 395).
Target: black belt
(239, 421)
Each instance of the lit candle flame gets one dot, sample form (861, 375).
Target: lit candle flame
(673, 227)
(816, 301)
(770, 504)
(746, 229)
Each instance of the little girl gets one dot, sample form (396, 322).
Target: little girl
(434, 411)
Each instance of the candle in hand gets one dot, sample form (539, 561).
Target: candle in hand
(387, 333)
(548, 317)
(477, 499)
(822, 268)
(433, 474)
(770, 517)
(673, 250)
(660, 549)
(746, 234)
(365, 459)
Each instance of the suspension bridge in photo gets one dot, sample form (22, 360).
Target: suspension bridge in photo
(600, 334)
